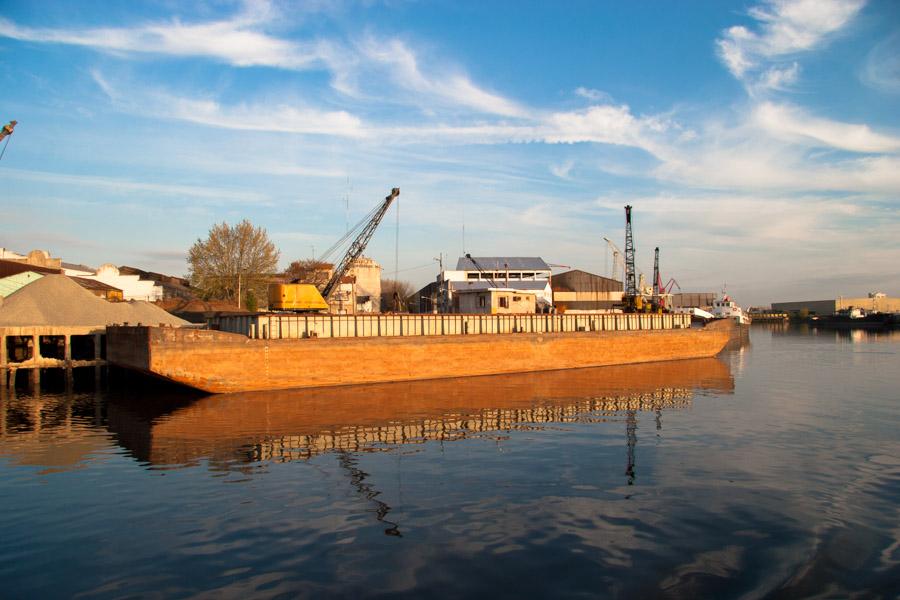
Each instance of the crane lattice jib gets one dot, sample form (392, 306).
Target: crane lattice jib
(630, 283)
(358, 246)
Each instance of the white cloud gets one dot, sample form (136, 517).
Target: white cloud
(593, 95)
(129, 185)
(241, 42)
(248, 117)
(562, 171)
(881, 69)
(402, 66)
(785, 28)
(793, 124)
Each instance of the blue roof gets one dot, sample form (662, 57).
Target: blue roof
(498, 263)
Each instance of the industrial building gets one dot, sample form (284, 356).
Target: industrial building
(577, 290)
(521, 275)
(874, 302)
(492, 301)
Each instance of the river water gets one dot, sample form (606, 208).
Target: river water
(771, 471)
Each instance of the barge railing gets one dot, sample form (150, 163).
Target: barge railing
(297, 326)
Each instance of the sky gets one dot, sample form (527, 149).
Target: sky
(758, 142)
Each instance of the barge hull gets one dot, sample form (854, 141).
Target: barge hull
(219, 362)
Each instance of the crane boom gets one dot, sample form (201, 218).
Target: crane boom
(482, 271)
(359, 245)
(7, 129)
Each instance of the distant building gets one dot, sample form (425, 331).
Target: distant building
(100, 289)
(132, 286)
(874, 302)
(494, 301)
(580, 290)
(367, 274)
(524, 274)
(172, 286)
(36, 258)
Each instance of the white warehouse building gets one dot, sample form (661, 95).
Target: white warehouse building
(527, 274)
(132, 286)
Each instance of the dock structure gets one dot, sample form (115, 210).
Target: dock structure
(276, 326)
(769, 317)
(48, 347)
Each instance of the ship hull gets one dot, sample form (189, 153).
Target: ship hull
(219, 362)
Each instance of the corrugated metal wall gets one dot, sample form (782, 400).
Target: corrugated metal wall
(287, 326)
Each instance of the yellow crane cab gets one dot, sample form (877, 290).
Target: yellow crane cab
(296, 297)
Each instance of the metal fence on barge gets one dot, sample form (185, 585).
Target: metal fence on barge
(294, 326)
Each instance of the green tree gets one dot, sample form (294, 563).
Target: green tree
(232, 260)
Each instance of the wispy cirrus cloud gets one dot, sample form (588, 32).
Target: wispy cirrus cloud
(794, 124)
(357, 67)
(124, 185)
(762, 57)
(246, 117)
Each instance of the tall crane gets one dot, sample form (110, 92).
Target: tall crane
(359, 245)
(632, 297)
(630, 282)
(657, 283)
(617, 264)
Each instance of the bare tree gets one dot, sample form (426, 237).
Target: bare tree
(232, 260)
(396, 295)
(309, 270)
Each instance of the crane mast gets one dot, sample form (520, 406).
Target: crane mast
(630, 282)
(359, 245)
(657, 283)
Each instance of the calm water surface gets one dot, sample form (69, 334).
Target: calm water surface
(772, 471)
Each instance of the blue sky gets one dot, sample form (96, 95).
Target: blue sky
(759, 142)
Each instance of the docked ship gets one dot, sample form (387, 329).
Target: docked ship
(726, 308)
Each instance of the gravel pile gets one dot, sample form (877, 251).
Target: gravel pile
(57, 300)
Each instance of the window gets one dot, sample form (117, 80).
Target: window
(503, 301)
(515, 275)
(481, 302)
(517, 298)
(471, 275)
(527, 275)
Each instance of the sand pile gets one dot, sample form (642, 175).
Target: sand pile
(57, 300)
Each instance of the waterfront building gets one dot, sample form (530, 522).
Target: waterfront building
(874, 302)
(496, 301)
(522, 274)
(580, 290)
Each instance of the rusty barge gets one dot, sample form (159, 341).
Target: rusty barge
(268, 352)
